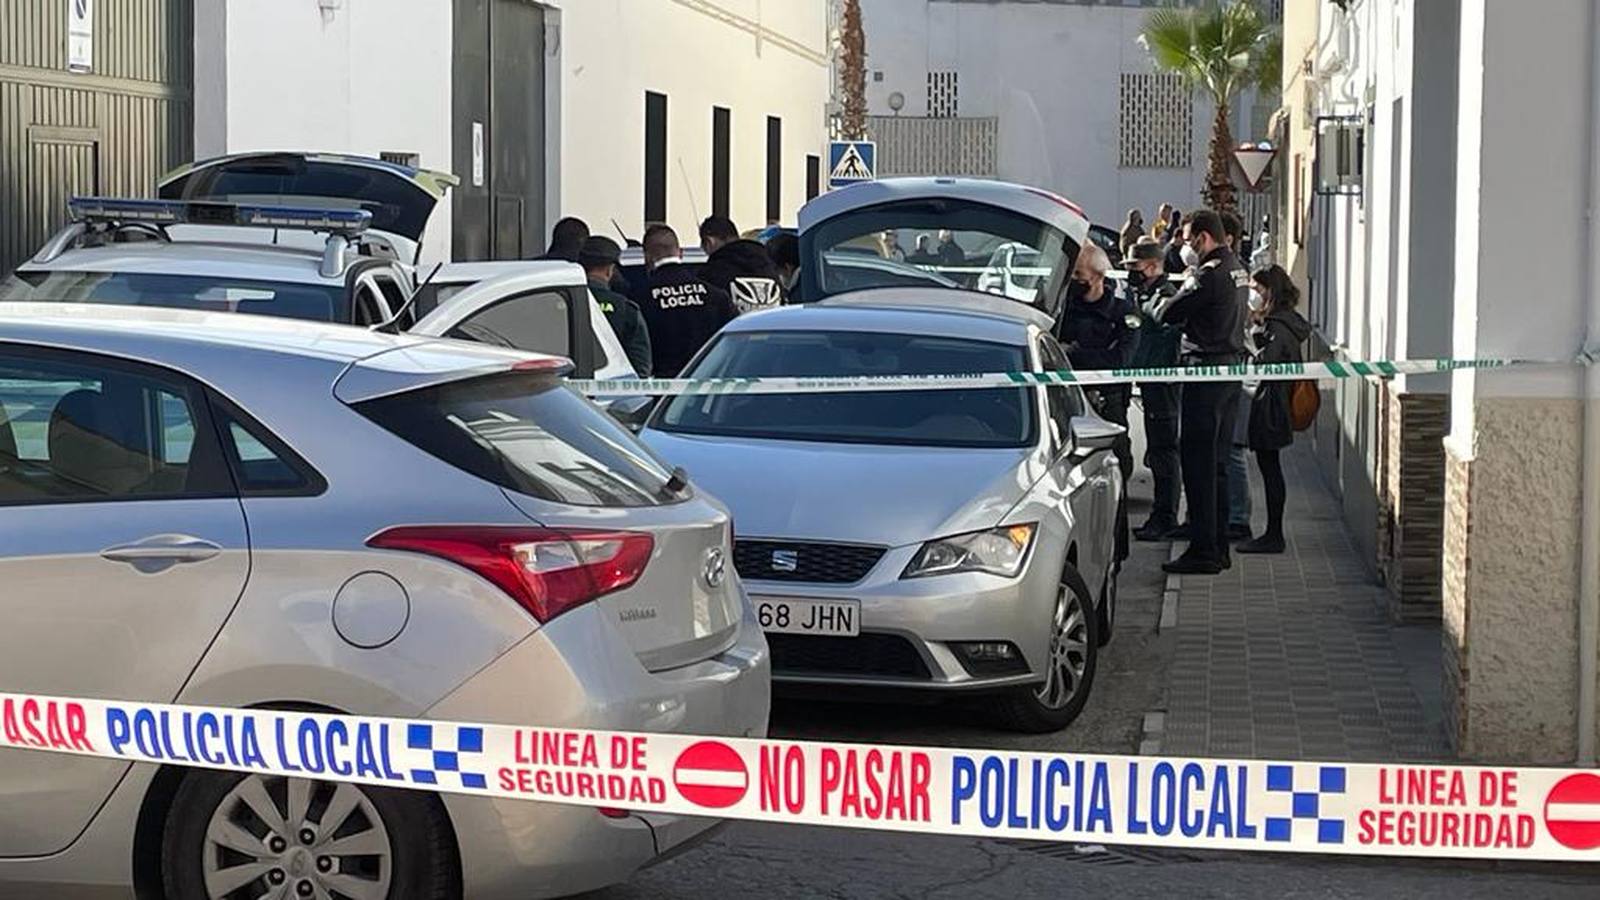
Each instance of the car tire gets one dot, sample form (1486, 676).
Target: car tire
(1073, 649)
(215, 844)
(1106, 615)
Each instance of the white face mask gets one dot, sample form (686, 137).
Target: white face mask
(1257, 302)
(1191, 256)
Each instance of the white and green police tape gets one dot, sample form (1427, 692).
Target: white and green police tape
(1383, 368)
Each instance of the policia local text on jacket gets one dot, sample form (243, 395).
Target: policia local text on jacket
(1211, 310)
(683, 313)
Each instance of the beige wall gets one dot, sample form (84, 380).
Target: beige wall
(1294, 160)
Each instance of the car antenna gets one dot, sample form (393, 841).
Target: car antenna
(620, 232)
(410, 301)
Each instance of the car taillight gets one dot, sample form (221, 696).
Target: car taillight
(545, 570)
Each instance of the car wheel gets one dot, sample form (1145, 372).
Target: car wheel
(1069, 670)
(230, 836)
(1107, 614)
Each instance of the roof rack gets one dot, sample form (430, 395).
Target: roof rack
(95, 215)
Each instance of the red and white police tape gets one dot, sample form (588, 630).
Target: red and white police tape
(1312, 807)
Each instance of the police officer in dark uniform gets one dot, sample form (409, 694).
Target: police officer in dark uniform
(1099, 328)
(599, 258)
(1158, 348)
(1211, 309)
(682, 311)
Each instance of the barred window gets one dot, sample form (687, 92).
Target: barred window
(1156, 120)
(943, 95)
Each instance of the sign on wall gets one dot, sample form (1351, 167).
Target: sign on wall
(477, 154)
(80, 35)
(851, 161)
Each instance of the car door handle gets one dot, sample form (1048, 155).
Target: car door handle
(162, 548)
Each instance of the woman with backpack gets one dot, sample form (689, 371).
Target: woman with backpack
(1279, 332)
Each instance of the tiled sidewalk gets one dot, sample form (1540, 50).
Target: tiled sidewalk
(1291, 657)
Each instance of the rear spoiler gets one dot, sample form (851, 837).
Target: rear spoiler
(95, 216)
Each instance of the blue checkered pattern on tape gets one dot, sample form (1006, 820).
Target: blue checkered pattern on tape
(468, 739)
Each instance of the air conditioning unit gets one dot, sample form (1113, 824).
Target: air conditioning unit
(1341, 154)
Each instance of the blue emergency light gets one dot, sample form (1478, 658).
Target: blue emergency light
(345, 222)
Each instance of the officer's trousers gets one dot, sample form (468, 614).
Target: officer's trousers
(1209, 413)
(1161, 413)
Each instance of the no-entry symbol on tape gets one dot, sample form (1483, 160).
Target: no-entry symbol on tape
(1572, 811)
(711, 774)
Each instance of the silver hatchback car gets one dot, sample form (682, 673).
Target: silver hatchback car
(244, 511)
(946, 541)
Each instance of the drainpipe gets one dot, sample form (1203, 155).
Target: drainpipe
(1589, 522)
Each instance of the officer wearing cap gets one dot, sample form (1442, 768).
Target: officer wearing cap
(1158, 348)
(599, 257)
(1211, 311)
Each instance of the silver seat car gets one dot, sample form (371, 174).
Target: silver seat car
(245, 511)
(953, 541)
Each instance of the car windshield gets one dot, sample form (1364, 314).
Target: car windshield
(991, 417)
(322, 303)
(937, 242)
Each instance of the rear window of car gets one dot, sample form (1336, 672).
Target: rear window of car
(321, 303)
(988, 417)
(529, 433)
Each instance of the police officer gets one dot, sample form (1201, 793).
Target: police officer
(599, 258)
(1158, 348)
(1211, 310)
(682, 311)
(1099, 328)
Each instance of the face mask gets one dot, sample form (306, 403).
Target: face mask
(1257, 302)
(1191, 256)
(1136, 277)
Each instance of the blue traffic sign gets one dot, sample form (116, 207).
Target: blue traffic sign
(851, 161)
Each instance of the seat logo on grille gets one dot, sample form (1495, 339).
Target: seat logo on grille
(786, 560)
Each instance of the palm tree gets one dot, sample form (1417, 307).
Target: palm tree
(853, 65)
(1220, 48)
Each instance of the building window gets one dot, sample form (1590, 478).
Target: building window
(655, 157)
(943, 95)
(1156, 116)
(721, 126)
(774, 168)
(813, 176)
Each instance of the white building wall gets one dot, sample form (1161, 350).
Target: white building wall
(1050, 72)
(376, 75)
(368, 77)
(755, 58)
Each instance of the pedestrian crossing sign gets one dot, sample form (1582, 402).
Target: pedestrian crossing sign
(851, 161)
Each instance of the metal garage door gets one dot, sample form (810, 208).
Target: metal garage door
(111, 130)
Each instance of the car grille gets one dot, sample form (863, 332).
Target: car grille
(814, 563)
(869, 654)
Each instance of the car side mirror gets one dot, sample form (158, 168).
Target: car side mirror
(1091, 434)
(632, 412)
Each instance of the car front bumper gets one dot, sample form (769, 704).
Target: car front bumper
(577, 672)
(910, 628)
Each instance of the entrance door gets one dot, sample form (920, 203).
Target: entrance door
(499, 91)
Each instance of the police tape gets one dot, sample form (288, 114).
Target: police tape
(1407, 809)
(633, 387)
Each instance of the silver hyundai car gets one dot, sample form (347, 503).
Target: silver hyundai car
(245, 511)
(953, 541)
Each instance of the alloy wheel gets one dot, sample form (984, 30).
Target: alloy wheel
(1069, 651)
(275, 838)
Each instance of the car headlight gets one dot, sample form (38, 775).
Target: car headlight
(998, 551)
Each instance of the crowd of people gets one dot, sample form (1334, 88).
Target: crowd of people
(664, 320)
(1197, 435)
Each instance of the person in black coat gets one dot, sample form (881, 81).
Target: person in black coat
(682, 311)
(566, 240)
(1279, 335)
(741, 268)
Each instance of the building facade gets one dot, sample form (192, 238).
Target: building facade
(1058, 94)
(618, 111)
(1444, 191)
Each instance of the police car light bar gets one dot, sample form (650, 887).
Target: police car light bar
(346, 222)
